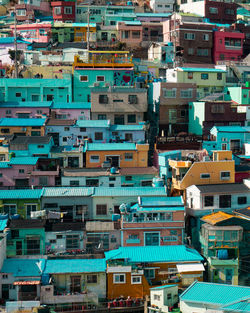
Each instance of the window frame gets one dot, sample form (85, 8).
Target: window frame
(120, 275)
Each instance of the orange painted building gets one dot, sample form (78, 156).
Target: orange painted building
(22, 126)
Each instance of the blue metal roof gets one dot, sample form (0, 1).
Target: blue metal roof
(217, 294)
(128, 191)
(21, 194)
(26, 104)
(163, 287)
(136, 23)
(200, 69)
(23, 161)
(242, 306)
(109, 146)
(6, 40)
(160, 209)
(153, 14)
(75, 266)
(3, 224)
(22, 121)
(93, 123)
(177, 253)
(169, 153)
(81, 24)
(71, 105)
(126, 127)
(233, 129)
(68, 191)
(23, 267)
(161, 201)
(4, 164)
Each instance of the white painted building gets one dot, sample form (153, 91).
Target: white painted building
(162, 298)
(162, 6)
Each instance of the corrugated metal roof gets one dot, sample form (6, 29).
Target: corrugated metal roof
(239, 306)
(126, 127)
(26, 104)
(23, 161)
(23, 267)
(75, 266)
(3, 224)
(160, 209)
(224, 188)
(22, 121)
(21, 194)
(217, 217)
(178, 253)
(110, 146)
(233, 129)
(161, 201)
(163, 287)
(93, 123)
(4, 164)
(200, 69)
(153, 14)
(71, 105)
(68, 191)
(217, 294)
(128, 191)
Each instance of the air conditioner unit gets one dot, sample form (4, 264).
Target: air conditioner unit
(96, 84)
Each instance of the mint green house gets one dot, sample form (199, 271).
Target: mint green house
(20, 201)
(26, 237)
(241, 94)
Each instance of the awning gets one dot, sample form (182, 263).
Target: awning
(28, 282)
(183, 268)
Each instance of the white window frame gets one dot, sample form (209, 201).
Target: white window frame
(65, 9)
(225, 178)
(136, 283)
(84, 81)
(189, 36)
(26, 209)
(58, 10)
(94, 161)
(100, 80)
(206, 37)
(119, 274)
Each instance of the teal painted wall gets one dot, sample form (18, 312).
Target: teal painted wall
(196, 117)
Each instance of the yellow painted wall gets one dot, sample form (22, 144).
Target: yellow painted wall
(83, 31)
(222, 155)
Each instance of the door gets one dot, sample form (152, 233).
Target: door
(55, 137)
(73, 162)
(69, 210)
(5, 291)
(33, 245)
(114, 160)
(75, 284)
(19, 247)
(229, 276)
(235, 145)
(152, 239)
(104, 36)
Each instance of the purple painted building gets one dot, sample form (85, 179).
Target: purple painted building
(33, 109)
(71, 111)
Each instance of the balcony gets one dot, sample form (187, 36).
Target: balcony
(214, 261)
(228, 47)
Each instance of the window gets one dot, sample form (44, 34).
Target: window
(136, 280)
(190, 75)
(189, 36)
(92, 182)
(131, 118)
(65, 139)
(83, 78)
(21, 12)
(50, 97)
(66, 129)
(205, 176)
(100, 78)
(68, 10)
(225, 201)
(30, 208)
(204, 76)
(172, 115)
(101, 209)
(149, 273)
(21, 171)
(206, 37)
(75, 286)
(183, 113)
(98, 136)
(119, 119)
(187, 93)
(83, 129)
(132, 99)
(102, 117)
(128, 156)
(202, 52)
(5, 130)
(224, 175)
(125, 34)
(74, 183)
(190, 51)
(72, 242)
(217, 108)
(57, 10)
(91, 279)
(219, 76)
(119, 278)
(128, 178)
(157, 297)
(230, 11)
(208, 201)
(128, 137)
(39, 111)
(136, 34)
(94, 158)
(242, 200)
(103, 99)
(18, 94)
(9, 209)
(8, 112)
(213, 10)
(152, 239)
(169, 93)
(5, 276)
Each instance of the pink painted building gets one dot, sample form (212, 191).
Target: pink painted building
(130, 33)
(37, 32)
(228, 46)
(153, 222)
(27, 109)
(71, 111)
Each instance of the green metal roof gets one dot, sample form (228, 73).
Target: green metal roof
(23, 267)
(23, 161)
(126, 127)
(4, 164)
(93, 123)
(128, 191)
(75, 266)
(176, 253)
(68, 191)
(110, 146)
(201, 69)
(26, 104)
(22, 122)
(242, 306)
(232, 129)
(71, 105)
(216, 294)
(163, 287)
(21, 194)
(161, 201)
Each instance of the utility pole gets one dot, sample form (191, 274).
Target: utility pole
(15, 45)
(88, 30)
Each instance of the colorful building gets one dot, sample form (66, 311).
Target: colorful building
(38, 32)
(153, 222)
(64, 11)
(23, 126)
